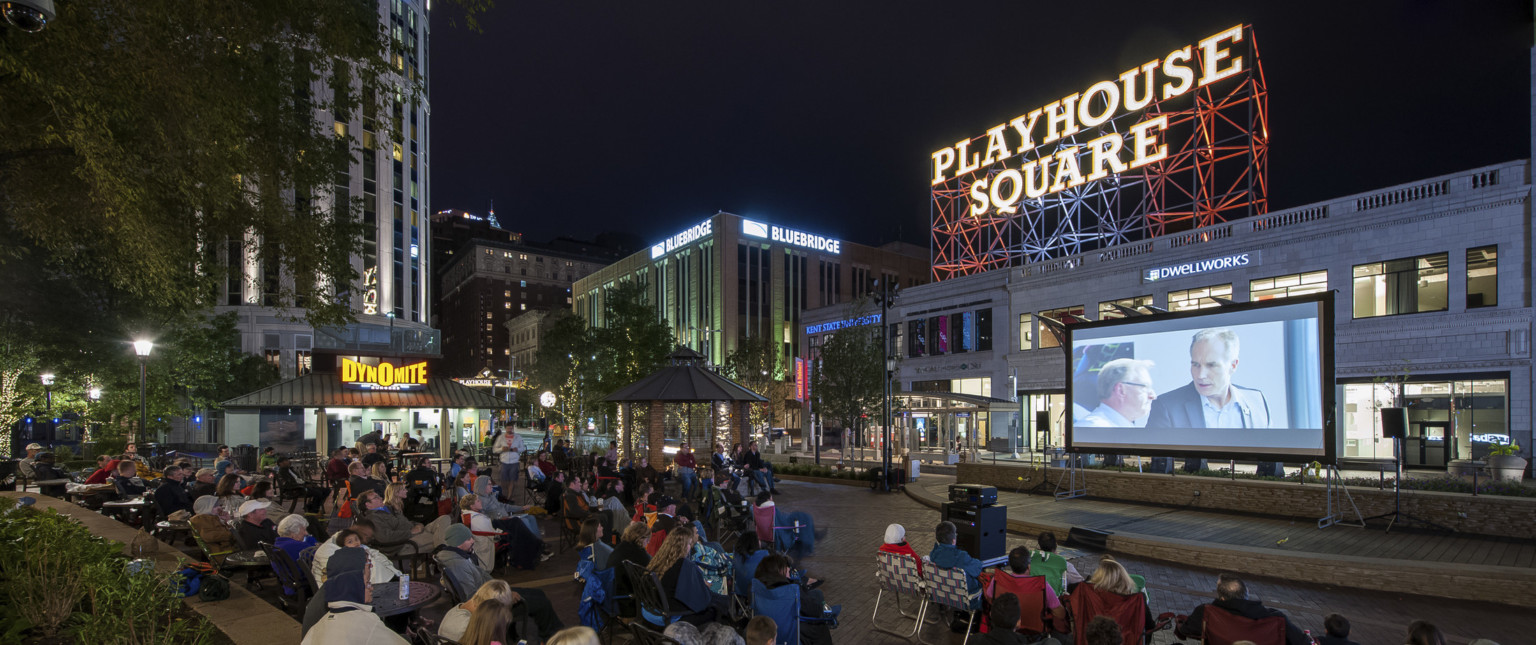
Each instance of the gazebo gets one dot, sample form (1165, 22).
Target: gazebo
(683, 382)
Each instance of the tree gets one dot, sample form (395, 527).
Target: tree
(633, 342)
(848, 378)
(556, 367)
(758, 364)
(140, 140)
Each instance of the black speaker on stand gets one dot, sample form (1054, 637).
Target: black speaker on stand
(1394, 426)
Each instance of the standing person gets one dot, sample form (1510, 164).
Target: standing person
(510, 445)
(613, 452)
(685, 469)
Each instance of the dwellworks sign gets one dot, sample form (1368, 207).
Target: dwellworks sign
(1210, 265)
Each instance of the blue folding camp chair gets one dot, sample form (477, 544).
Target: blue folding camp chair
(782, 604)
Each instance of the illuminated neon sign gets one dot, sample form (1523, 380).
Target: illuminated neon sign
(384, 376)
(694, 233)
(1233, 261)
(872, 319)
(790, 236)
(1069, 166)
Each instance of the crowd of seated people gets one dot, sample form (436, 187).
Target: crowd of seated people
(1019, 602)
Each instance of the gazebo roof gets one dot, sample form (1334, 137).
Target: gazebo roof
(684, 382)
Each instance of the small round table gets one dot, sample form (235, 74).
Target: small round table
(387, 602)
(118, 508)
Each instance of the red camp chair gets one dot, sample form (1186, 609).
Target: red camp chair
(1222, 627)
(763, 517)
(1129, 612)
(1030, 590)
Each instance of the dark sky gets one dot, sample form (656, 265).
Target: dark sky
(648, 116)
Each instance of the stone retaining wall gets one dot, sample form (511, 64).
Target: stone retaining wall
(1479, 515)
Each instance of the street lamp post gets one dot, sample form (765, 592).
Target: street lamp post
(887, 294)
(48, 392)
(142, 349)
(92, 395)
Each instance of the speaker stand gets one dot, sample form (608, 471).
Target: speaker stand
(1071, 475)
(1337, 493)
(1397, 514)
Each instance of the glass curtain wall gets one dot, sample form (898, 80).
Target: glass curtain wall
(1462, 418)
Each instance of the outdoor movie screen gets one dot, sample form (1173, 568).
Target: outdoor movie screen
(1245, 381)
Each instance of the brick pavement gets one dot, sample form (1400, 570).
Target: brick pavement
(856, 517)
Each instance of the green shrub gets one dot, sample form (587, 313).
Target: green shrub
(55, 574)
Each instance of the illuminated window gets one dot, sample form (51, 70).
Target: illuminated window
(400, 156)
(1482, 277)
(567, 300)
(1403, 286)
(507, 305)
(507, 293)
(524, 307)
(487, 315)
(522, 283)
(1198, 298)
(341, 129)
(522, 256)
(489, 252)
(1107, 310)
(1048, 339)
(506, 352)
(1026, 332)
(490, 327)
(1296, 284)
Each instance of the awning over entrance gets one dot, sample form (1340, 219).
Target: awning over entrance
(945, 400)
(326, 391)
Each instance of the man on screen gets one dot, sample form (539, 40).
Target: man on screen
(1125, 395)
(1211, 400)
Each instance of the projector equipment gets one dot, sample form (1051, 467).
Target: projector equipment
(972, 494)
(1088, 538)
(979, 530)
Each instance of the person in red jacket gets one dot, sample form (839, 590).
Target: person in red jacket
(896, 542)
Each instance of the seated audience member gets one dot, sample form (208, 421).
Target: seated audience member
(554, 494)
(1111, 577)
(268, 458)
(290, 482)
(127, 481)
(359, 482)
(1007, 580)
(749, 553)
(645, 473)
(171, 496)
(202, 484)
(46, 468)
(1336, 631)
(580, 635)
(105, 468)
(631, 548)
(681, 579)
(1004, 618)
(578, 508)
(1056, 569)
(761, 630)
(209, 525)
(457, 465)
(1232, 596)
(773, 572)
(362, 531)
(544, 467)
(264, 490)
(758, 468)
(489, 624)
(1103, 630)
(498, 510)
(378, 474)
(229, 496)
(224, 464)
(802, 541)
(609, 499)
(525, 548)
(336, 467)
(293, 536)
(666, 519)
(348, 594)
(463, 571)
(686, 468)
(896, 542)
(590, 544)
(946, 555)
(254, 527)
(457, 619)
(713, 563)
(1421, 632)
(711, 634)
(371, 455)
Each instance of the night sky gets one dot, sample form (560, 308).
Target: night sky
(578, 117)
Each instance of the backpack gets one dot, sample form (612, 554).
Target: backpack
(202, 580)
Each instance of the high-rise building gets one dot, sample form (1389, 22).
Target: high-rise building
(729, 278)
(390, 174)
(488, 282)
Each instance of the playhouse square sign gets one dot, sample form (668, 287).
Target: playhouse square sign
(1040, 135)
